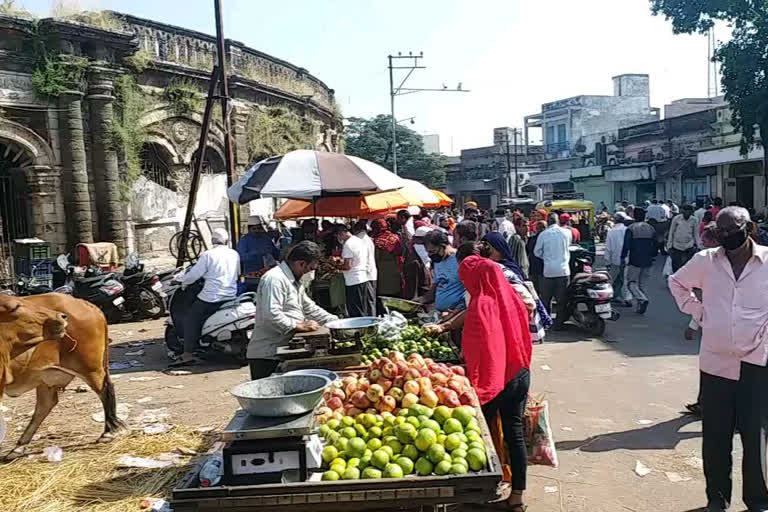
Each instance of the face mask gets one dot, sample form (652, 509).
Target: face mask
(734, 240)
(436, 258)
(307, 278)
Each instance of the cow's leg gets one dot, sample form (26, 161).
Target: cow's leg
(47, 398)
(102, 385)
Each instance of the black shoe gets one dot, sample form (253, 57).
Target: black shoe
(641, 307)
(694, 409)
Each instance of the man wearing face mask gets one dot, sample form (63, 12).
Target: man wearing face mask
(681, 238)
(733, 314)
(284, 308)
(447, 291)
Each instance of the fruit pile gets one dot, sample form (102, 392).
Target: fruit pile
(395, 382)
(419, 440)
(411, 339)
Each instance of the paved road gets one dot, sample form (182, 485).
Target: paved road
(618, 400)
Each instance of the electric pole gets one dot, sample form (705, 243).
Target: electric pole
(517, 183)
(400, 91)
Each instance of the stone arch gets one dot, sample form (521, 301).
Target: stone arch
(39, 150)
(154, 138)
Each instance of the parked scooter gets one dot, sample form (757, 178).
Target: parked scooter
(589, 294)
(144, 296)
(227, 331)
(101, 289)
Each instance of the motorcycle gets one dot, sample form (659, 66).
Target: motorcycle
(100, 289)
(144, 296)
(226, 331)
(589, 294)
(603, 224)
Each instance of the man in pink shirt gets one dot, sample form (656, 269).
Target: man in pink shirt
(733, 314)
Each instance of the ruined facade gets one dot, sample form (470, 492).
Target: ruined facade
(65, 180)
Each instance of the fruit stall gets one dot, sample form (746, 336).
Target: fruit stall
(405, 432)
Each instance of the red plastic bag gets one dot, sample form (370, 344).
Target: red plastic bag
(538, 434)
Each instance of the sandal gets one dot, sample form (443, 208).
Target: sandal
(694, 409)
(518, 507)
(185, 362)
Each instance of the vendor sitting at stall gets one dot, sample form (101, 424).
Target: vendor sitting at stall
(257, 251)
(284, 308)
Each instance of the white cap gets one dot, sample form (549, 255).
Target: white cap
(255, 220)
(422, 231)
(219, 236)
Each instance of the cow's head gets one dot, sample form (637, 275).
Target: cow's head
(22, 326)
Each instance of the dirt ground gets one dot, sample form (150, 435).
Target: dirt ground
(614, 402)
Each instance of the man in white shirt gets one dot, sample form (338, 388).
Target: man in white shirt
(503, 225)
(220, 267)
(681, 239)
(614, 243)
(552, 248)
(355, 269)
(657, 212)
(283, 307)
(360, 230)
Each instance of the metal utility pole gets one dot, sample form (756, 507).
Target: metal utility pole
(234, 225)
(509, 166)
(517, 178)
(400, 91)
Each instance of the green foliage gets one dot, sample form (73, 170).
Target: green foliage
(372, 139)
(56, 74)
(743, 59)
(69, 10)
(127, 135)
(139, 61)
(277, 130)
(183, 97)
(10, 8)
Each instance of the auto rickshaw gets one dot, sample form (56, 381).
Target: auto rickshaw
(580, 210)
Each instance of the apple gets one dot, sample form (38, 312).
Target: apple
(467, 398)
(424, 371)
(385, 384)
(386, 404)
(334, 403)
(396, 356)
(458, 370)
(389, 370)
(450, 398)
(402, 367)
(363, 384)
(372, 410)
(429, 398)
(457, 385)
(353, 411)
(360, 400)
(416, 359)
(424, 384)
(375, 391)
(350, 389)
(412, 374)
(412, 386)
(322, 419)
(322, 411)
(438, 379)
(428, 361)
(408, 400)
(335, 392)
(374, 375)
(397, 393)
(398, 382)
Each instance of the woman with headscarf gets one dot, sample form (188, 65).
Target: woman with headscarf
(497, 249)
(388, 254)
(497, 350)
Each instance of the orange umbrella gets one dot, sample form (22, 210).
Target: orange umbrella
(444, 199)
(346, 206)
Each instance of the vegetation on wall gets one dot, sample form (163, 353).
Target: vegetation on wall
(55, 74)
(139, 61)
(11, 8)
(127, 134)
(183, 97)
(277, 130)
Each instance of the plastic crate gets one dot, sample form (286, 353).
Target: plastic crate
(31, 249)
(39, 271)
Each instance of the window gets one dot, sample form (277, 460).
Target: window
(561, 133)
(550, 135)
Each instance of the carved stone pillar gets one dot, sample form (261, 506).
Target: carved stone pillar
(77, 200)
(104, 157)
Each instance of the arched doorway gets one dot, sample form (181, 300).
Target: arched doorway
(213, 163)
(156, 165)
(14, 216)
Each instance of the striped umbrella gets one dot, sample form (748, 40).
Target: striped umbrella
(307, 174)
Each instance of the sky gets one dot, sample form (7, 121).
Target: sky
(513, 55)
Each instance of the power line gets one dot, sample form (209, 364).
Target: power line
(400, 91)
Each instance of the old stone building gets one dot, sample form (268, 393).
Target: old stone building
(100, 121)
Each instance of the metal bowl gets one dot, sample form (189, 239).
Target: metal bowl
(332, 376)
(350, 329)
(281, 395)
(401, 305)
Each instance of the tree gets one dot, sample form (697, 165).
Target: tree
(743, 59)
(372, 139)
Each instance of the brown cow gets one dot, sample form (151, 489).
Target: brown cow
(52, 339)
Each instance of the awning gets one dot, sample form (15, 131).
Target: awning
(551, 177)
(586, 172)
(635, 173)
(729, 155)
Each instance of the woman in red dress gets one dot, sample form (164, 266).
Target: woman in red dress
(497, 349)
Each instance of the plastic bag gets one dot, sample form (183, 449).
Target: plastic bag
(538, 434)
(667, 267)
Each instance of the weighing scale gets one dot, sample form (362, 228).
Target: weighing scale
(262, 450)
(313, 350)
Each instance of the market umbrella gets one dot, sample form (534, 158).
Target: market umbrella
(371, 205)
(307, 174)
(426, 196)
(444, 199)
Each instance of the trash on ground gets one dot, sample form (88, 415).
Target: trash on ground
(676, 477)
(127, 461)
(136, 353)
(119, 365)
(566, 429)
(134, 363)
(144, 400)
(155, 505)
(143, 330)
(205, 430)
(53, 453)
(81, 388)
(546, 367)
(185, 451)
(180, 372)
(153, 415)
(177, 386)
(644, 422)
(4, 408)
(142, 379)
(641, 469)
(157, 428)
(549, 489)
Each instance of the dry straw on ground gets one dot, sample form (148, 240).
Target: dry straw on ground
(89, 480)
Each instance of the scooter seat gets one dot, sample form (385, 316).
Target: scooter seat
(596, 277)
(246, 297)
(582, 276)
(95, 279)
